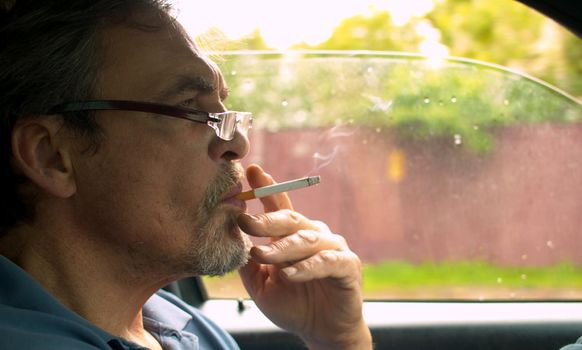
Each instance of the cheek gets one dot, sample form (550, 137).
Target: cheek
(148, 187)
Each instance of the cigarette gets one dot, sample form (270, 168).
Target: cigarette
(278, 188)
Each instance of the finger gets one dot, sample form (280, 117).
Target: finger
(257, 177)
(298, 246)
(275, 224)
(343, 266)
(255, 275)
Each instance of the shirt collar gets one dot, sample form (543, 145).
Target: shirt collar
(170, 316)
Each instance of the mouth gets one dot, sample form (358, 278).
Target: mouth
(230, 197)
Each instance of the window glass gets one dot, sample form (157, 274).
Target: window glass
(451, 178)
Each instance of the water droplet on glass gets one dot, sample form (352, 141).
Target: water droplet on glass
(550, 244)
(441, 102)
(378, 130)
(426, 100)
(499, 280)
(458, 139)
(523, 276)
(284, 103)
(453, 99)
(233, 72)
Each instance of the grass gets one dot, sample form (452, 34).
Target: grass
(474, 274)
(469, 280)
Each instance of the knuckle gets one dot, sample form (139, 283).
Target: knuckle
(328, 256)
(265, 219)
(294, 216)
(354, 259)
(341, 240)
(281, 244)
(308, 236)
(309, 264)
(322, 226)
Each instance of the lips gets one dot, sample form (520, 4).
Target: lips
(229, 198)
(236, 189)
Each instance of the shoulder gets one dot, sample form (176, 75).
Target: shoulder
(577, 346)
(27, 329)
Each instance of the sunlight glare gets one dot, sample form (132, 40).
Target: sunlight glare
(431, 45)
(283, 24)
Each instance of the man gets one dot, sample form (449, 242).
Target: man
(105, 202)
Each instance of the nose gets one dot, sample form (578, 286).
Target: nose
(235, 149)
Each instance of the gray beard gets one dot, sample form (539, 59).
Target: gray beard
(224, 248)
(217, 245)
(220, 247)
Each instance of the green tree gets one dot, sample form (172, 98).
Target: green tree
(573, 64)
(370, 32)
(512, 35)
(487, 30)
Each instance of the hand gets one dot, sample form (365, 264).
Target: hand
(306, 280)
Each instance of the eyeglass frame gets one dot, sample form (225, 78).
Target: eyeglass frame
(213, 120)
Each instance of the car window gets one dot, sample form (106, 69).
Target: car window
(451, 178)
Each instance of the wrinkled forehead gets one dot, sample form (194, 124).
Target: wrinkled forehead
(154, 63)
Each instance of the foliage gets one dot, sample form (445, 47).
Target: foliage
(474, 29)
(370, 32)
(572, 54)
(510, 35)
(461, 100)
(496, 31)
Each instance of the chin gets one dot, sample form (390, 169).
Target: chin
(224, 247)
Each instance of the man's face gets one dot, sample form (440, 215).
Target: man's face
(155, 190)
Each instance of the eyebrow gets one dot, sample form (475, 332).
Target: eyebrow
(183, 84)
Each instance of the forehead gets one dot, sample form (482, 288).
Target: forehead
(149, 64)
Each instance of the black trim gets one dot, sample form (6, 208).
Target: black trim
(191, 290)
(566, 12)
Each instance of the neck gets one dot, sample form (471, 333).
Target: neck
(87, 278)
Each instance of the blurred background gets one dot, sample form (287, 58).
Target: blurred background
(448, 134)
(503, 32)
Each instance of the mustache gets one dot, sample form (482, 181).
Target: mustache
(228, 176)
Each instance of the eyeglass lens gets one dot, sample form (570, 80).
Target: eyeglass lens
(230, 122)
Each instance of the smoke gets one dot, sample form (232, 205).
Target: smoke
(332, 143)
(322, 160)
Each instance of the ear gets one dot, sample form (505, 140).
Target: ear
(42, 153)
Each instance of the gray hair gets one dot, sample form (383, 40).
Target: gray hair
(50, 54)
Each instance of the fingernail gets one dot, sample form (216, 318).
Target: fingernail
(289, 271)
(265, 249)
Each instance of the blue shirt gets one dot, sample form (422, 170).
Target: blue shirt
(31, 318)
(577, 346)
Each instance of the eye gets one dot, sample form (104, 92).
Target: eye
(189, 103)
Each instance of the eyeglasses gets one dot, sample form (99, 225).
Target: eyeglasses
(225, 124)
